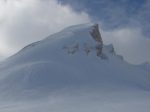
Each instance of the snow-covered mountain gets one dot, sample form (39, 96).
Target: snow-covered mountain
(73, 62)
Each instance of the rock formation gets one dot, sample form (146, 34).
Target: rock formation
(97, 37)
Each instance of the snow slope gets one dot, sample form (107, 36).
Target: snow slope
(145, 66)
(57, 70)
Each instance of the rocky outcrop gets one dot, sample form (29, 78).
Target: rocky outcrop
(98, 39)
(72, 49)
(88, 47)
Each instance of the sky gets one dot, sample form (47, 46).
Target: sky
(123, 23)
(25, 21)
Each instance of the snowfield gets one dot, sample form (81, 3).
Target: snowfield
(63, 73)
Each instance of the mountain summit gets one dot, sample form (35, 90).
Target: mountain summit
(73, 71)
(72, 58)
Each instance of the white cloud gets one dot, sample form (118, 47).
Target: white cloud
(129, 42)
(26, 21)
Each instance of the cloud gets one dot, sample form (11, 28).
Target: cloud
(114, 14)
(143, 18)
(25, 21)
(130, 43)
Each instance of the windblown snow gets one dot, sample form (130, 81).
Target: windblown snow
(72, 71)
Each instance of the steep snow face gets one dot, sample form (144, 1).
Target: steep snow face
(71, 58)
(71, 40)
